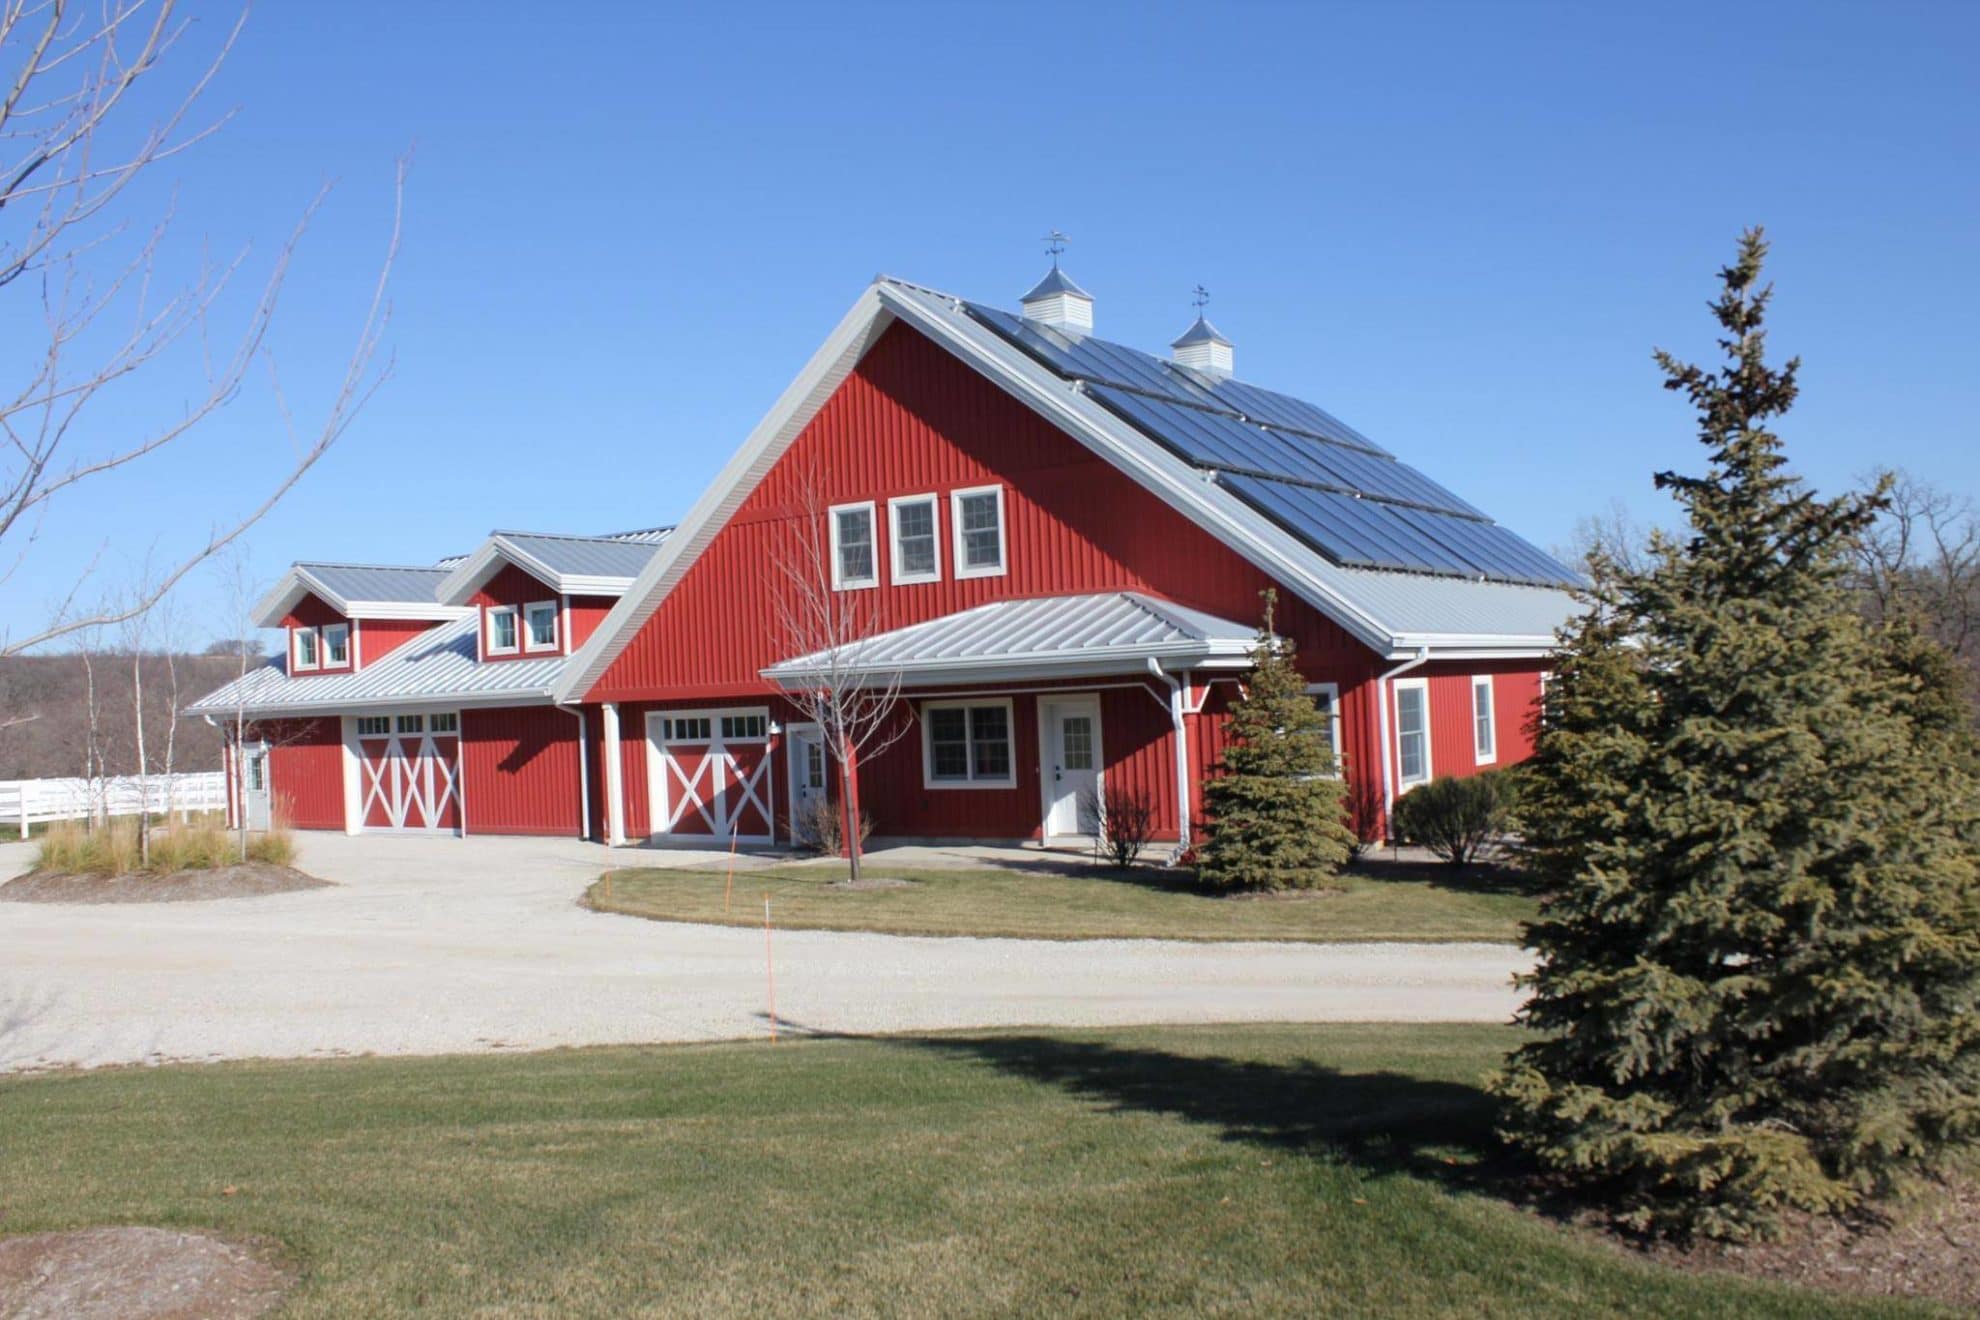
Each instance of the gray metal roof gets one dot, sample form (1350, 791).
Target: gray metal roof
(1097, 633)
(438, 667)
(1200, 333)
(587, 556)
(1055, 281)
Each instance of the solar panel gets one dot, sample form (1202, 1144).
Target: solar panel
(1262, 405)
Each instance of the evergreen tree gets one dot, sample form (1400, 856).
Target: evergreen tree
(1278, 813)
(1759, 971)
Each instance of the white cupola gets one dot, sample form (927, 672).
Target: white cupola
(1058, 302)
(1203, 348)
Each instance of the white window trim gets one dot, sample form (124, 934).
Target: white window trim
(323, 660)
(928, 779)
(963, 570)
(315, 660)
(1484, 755)
(493, 612)
(1400, 686)
(1333, 691)
(528, 640)
(902, 576)
(839, 582)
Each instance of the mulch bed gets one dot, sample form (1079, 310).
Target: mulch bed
(134, 1273)
(246, 880)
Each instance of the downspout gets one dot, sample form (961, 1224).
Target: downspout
(1382, 735)
(584, 770)
(1182, 753)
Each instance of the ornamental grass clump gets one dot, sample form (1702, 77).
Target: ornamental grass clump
(206, 844)
(1757, 818)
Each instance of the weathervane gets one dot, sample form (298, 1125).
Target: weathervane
(1199, 298)
(1055, 243)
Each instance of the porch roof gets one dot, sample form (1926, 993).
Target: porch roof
(1039, 637)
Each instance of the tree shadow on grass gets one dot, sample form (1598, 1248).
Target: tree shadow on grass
(1381, 1122)
(1490, 877)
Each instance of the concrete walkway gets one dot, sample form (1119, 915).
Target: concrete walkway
(433, 945)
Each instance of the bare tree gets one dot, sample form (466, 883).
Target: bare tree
(239, 578)
(1615, 534)
(67, 155)
(1921, 560)
(858, 711)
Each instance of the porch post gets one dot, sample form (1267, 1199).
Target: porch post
(615, 807)
(1179, 717)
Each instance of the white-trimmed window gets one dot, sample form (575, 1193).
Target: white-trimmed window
(855, 562)
(967, 744)
(540, 626)
(917, 541)
(502, 630)
(444, 722)
(412, 724)
(747, 727)
(977, 517)
(1484, 726)
(1327, 696)
(305, 644)
(374, 726)
(336, 645)
(1412, 731)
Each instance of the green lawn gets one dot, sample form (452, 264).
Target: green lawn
(1270, 1170)
(1040, 904)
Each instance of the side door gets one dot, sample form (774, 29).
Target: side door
(1070, 750)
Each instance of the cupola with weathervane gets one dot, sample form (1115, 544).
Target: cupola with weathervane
(1202, 347)
(1055, 300)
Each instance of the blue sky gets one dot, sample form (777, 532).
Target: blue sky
(1461, 228)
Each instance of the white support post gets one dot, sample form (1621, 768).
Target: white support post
(615, 810)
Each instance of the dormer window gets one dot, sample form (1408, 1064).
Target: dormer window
(336, 645)
(305, 643)
(502, 630)
(540, 626)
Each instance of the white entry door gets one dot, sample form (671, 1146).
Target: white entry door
(1069, 746)
(254, 779)
(805, 745)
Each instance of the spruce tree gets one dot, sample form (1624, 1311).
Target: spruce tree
(1278, 813)
(1759, 970)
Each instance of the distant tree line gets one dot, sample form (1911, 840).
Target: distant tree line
(72, 714)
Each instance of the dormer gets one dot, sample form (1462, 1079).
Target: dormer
(539, 594)
(338, 617)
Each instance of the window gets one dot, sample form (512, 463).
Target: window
(257, 771)
(336, 645)
(541, 622)
(412, 723)
(978, 518)
(853, 563)
(502, 630)
(1412, 730)
(1076, 741)
(374, 726)
(1484, 734)
(448, 722)
(305, 648)
(690, 729)
(967, 744)
(737, 728)
(814, 764)
(917, 553)
(1327, 696)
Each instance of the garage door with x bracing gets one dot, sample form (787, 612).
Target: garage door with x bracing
(711, 774)
(409, 772)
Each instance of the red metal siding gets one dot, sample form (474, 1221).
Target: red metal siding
(378, 638)
(911, 419)
(587, 612)
(520, 770)
(305, 772)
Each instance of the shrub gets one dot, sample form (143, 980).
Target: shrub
(202, 844)
(1122, 818)
(820, 825)
(275, 848)
(1457, 818)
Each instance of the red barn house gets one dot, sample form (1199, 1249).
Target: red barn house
(1053, 547)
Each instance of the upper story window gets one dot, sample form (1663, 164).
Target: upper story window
(1412, 731)
(1484, 732)
(853, 562)
(540, 624)
(502, 630)
(336, 645)
(1327, 697)
(967, 744)
(917, 549)
(305, 644)
(978, 518)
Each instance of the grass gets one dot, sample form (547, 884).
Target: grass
(1398, 903)
(202, 844)
(1337, 1170)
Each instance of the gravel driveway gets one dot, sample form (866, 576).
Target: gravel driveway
(436, 945)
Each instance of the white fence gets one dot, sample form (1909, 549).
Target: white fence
(27, 802)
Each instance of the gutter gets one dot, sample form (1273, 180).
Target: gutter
(1382, 734)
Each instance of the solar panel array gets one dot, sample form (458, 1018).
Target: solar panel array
(1311, 474)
